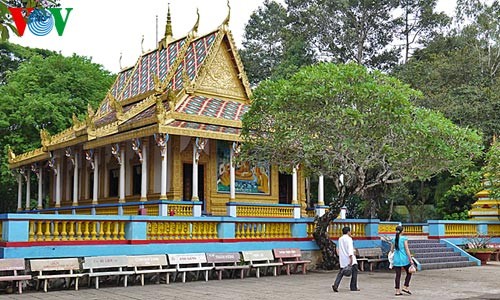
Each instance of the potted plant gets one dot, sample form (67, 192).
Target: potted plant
(478, 246)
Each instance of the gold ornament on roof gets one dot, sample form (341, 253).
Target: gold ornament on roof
(12, 156)
(225, 23)
(160, 109)
(160, 86)
(168, 38)
(172, 99)
(186, 81)
(45, 137)
(116, 106)
(194, 31)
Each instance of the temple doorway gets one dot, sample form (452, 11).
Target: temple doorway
(285, 188)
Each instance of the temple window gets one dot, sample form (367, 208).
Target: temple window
(136, 179)
(114, 178)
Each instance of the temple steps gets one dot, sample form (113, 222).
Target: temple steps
(431, 254)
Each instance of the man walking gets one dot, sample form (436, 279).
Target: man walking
(345, 251)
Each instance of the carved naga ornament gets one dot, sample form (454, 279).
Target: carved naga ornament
(200, 144)
(89, 156)
(52, 163)
(136, 146)
(115, 150)
(161, 140)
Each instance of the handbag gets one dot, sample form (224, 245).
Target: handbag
(347, 271)
(412, 269)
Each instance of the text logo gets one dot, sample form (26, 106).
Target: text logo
(40, 21)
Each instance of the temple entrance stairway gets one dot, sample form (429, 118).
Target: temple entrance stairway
(431, 254)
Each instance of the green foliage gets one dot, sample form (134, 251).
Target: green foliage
(344, 120)
(12, 55)
(345, 31)
(44, 93)
(273, 47)
(420, 23)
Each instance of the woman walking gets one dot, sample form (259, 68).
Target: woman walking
(402, 260)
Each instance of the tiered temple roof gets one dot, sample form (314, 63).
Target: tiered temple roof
(192, 86)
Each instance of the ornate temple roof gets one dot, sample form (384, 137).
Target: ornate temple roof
(193, 85)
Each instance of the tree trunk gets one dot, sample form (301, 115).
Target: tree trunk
(327, 247)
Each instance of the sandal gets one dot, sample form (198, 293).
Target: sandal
(406, 291)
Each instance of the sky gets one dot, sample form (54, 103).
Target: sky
(106, 30)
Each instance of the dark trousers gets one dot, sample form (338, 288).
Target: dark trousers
(354, 278)
(398, 276)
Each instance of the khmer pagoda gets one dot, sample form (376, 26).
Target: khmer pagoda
(485, 208)
(166, 132)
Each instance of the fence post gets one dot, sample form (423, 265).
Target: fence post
(299, 230)
(15, 230)
(371, 228)
(226, 230)
(135, 230)
(436, 229)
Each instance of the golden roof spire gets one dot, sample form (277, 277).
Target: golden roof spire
(168, 38)
(168, 27)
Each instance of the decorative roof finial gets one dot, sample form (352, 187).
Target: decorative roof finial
(142, 44)
(194, 31)
(168, 38)
(168, 27)
(226, 21)
(120, 61)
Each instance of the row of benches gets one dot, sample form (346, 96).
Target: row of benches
(178, 264)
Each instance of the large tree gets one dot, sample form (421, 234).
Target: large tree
(420, 24)
(356, 127)
(44, 93)
(349, 30)
(273, 47)
(12, 55)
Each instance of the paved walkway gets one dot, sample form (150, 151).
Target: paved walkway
(466, 283)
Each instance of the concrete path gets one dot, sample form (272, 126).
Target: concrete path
(465, 283)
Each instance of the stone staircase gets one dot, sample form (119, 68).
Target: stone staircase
(433, 255)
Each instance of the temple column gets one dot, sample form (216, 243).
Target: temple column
(144, 172)
(232, 175)
(122, 176)
(75, 180)
(58, 183)
(199, 145)
(321, 190)
(320, 207)
(194, 187)
(39, 174)
(161, 141)
(19, 192)
(295, 202)
(95, 191)
(294, 186)
(28, 189)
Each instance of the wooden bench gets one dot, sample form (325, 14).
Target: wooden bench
(373, 256)
(189, 262)
(496, 254)
(99, 266)
(55, 268)
(257, 259)
(150, 264)
(226, 261)
(289, 257)
(9, 268)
